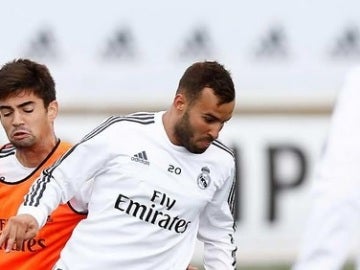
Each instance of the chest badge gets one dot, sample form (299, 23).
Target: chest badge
(204, 179)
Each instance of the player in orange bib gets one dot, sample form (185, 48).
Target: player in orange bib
(28, 108)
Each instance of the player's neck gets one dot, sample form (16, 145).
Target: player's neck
(168, 122)
(31, 157)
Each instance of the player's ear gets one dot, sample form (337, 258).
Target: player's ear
(53, 109)
(179, 102)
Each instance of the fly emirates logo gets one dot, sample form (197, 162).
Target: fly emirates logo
(31, 245)
(148, 213)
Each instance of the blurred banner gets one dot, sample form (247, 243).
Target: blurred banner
(117, 55)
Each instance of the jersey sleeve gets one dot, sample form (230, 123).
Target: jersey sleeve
(81, 199)
(67, 177)
(217, 228)
(334, 218)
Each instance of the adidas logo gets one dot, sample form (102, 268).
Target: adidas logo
(141, 157)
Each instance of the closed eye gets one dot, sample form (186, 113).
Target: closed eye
(28, 110)
(28, 107)
(6, 112)
(210, 119)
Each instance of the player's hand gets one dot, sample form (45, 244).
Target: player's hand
(190, 267)
(18, 229)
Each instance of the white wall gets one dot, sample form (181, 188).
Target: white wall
(281, 53)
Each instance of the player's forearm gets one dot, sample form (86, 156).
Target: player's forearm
(220, 256)
(38, 213)
(217, 234)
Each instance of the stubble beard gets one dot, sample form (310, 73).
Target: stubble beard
(25, 143)
(184, 133)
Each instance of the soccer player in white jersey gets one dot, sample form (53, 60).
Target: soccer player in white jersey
(333, 225)
(160, 180)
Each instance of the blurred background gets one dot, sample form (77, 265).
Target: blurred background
(288, 59)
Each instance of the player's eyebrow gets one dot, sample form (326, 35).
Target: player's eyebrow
(18, 106)
(217, 118)
(4, 107)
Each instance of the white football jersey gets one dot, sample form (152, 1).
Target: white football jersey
(150, 199)
(333, 224)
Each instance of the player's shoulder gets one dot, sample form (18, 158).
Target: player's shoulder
(7, 150)
(352, 82)
(137, 118)
(223, 150)
(353, 72)
(114, 127)
(65, 144)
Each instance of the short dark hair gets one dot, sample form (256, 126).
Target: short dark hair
(23, 74)
(209, 74)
